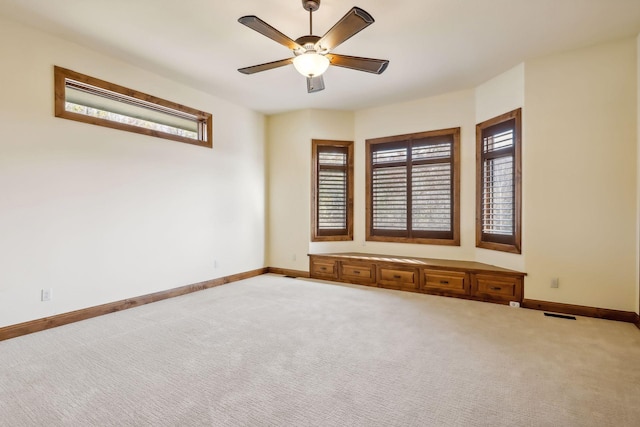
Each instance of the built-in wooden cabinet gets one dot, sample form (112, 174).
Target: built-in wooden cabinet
(497, 287)
(461, 279)
(445, 282)
(399, 277)
(323, 268)
(362, 273)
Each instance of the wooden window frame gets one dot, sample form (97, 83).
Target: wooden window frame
(334, 235)
(204, 120)
(455, 189)
(512, 243)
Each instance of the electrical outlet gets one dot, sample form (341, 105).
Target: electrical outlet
(293, 257)
(555, 282)
(215, 263)
(46, 294)
(514, 304)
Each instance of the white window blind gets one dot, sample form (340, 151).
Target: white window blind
(82, 98)
(390, 198)
(498, 179)
(411, 188)
(332, 188)
(432, 186)
(431, 197)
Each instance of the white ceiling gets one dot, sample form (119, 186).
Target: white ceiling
(434, 46)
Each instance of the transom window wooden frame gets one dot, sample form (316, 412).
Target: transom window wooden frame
(331, 190)
(90, 100)
(499, 216)
(450, 237)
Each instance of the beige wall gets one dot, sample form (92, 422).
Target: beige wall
(289, 138)
(497, 96)
(579, 150)
(580, 176)
(440, 112)
(100, 215)
(501, 94)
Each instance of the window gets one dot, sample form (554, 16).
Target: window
(90, 100)
(332, 190)
(413, 188)
(499, 187)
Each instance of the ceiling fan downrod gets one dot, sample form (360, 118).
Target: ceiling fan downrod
(311, 6)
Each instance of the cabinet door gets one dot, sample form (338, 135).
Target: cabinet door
(362, 273)
(323, 268)
(445, 282)
(497, 288)
(395, 277)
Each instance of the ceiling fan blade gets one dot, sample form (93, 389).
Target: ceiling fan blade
(265, 67)
(265, 29)
(315, 84)
(352, 23)
(376, 66)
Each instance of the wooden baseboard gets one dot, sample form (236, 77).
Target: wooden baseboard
(581, 310)
(287, 272)
(37, 325)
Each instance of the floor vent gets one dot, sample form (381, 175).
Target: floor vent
(290, 277)
(560, 316)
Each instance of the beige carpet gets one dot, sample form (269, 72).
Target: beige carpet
(274, 351)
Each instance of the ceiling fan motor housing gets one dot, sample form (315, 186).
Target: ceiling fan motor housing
(311, 5)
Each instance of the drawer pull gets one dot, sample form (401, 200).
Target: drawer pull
(444, 282)
(395, 276)
(495, 288)
(356, 271)
(323, 268)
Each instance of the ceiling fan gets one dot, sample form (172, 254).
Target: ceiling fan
(312, 54)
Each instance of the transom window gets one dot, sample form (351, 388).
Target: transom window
(498, 199)
(90, 100)
(413, 191)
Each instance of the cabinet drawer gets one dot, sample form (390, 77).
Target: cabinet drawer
(450, 282)
(398, 278)
(358, 272)
(325, 269)
(498, 287)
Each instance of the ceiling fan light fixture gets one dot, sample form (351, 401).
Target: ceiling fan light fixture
(311, 64)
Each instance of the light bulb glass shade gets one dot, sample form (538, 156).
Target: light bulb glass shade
(311, 64)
